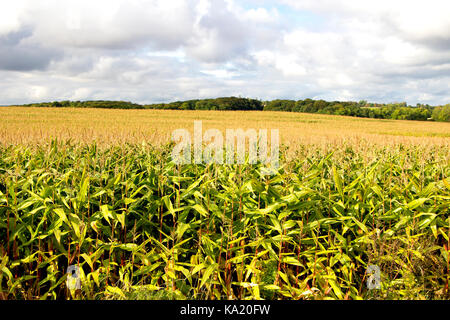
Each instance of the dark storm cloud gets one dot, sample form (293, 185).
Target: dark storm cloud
(414, 72)
(438, 43)
(19, 54)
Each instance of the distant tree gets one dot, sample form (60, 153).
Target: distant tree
(187, 105)
(280, 105)
(441, 113)
(319, 105)
(362, 103)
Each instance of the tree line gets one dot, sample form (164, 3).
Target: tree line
(363, 109)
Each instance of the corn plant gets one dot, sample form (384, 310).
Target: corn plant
(139, 226)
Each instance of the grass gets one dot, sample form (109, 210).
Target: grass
(141, 227)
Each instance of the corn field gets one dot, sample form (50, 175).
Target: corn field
(140, 227)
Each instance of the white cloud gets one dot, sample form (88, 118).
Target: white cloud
(10, 12)
(412, 19)
(220, 73)
(38, 92)
(111, 23)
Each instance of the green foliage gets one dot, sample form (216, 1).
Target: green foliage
(89, 104)
(280, 105)
(442, 113)
(141, 227)
(229, 103)
(363, 109)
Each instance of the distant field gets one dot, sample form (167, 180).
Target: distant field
(111, 126)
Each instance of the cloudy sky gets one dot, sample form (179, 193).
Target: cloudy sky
(167, 50)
